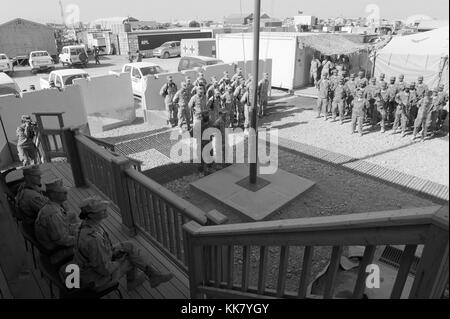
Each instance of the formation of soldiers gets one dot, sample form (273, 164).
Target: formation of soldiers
(69, 237)
(396, 104)
(228, 99)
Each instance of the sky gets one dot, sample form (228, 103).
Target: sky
(169, 10)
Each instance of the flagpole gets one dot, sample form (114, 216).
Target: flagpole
(255, 70)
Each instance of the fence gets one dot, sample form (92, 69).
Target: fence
(215, 270)
(146, 207)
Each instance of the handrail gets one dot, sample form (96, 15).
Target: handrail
(212, 251)
(180, 204)
(106, 155)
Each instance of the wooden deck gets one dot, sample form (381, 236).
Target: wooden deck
(18, 279)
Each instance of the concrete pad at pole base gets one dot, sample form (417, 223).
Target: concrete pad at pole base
(259, 205)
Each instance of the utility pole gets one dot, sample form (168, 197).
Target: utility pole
(254, 119)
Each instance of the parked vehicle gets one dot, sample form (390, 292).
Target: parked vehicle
(138, 71)
(62, 78)
(8, 85)
(6, 65)
(74, 55)
(167, 50)
(40, 61)
(193, 62)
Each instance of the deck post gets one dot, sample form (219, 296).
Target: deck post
(73, 156)
(123, 199)
(194, 259)
(432, 274)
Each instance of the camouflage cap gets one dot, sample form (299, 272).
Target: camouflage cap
(94, 205)
(56, 186)
(25, 117)
(32, 171)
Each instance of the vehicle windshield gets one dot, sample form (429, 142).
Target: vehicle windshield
(3, 57)
(76, 51)
(165, 45)
(68, 80)
(212, 62)
(150, 70)
(4, 90)
(38, 54)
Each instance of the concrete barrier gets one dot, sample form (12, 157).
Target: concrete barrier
(108, 101)
(69, 101)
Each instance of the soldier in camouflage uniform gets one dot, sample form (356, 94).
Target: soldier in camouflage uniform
(401, 84)
(403, 101)
(30, 197)
(443, 100)
(168, 92)
(263, 94)
(359, 109)
(212, 88)
(382, 98)
(414, 99)
(393, 91)
(182, 99)
(339, 97)
(369, 95)
(224, 82)
(425, 105)
(324, 87)
(361, 80)
(229, 104)
(201, 81)
(238, 93)
(351, 86)
(101, 262)
(421, 88)
(55, 227)
(214, 105)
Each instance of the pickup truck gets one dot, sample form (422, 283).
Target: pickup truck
(62, 78)
(6, 65)
(40, 61)
(138, 72)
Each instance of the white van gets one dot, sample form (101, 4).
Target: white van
(74, 55)
(8, 85)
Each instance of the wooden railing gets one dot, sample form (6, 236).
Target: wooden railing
(145, 206)
(160, 215)
(49, 141)
(233, 261)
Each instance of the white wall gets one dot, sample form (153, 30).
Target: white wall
(281, 49)
(68, 101)
(108, 101)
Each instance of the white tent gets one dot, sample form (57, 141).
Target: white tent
(418, 54)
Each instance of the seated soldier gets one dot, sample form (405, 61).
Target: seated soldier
(30, 197)
(55, 228)
(102, 263)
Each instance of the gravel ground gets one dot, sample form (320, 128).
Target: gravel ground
(337, 192)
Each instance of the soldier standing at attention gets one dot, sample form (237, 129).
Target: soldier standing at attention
(433, 113)
(224, 82)
(212, 88)
(249, 108)
(443, 100)
(263, 94)
(101, 262)
(382, 79)
(230, 105)
(198, 105)
(351, 87)
(168, 92)
(369, 95)
(191, 92)
(324, 87)
(359, 109)
(55, 228)
(393, 91)
(238, 93)
(214, 105)
(30, 196)
(201, 81)
(421, 88)
(182, 98)
(382, 98)
(361, 80)
(339, 97)
(425, 105)
(236, 79)
(401, 84)
(414, 99)
(403, 101)
(314, 71)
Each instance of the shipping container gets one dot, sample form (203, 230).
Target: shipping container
(198, 47)
(290, 59)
